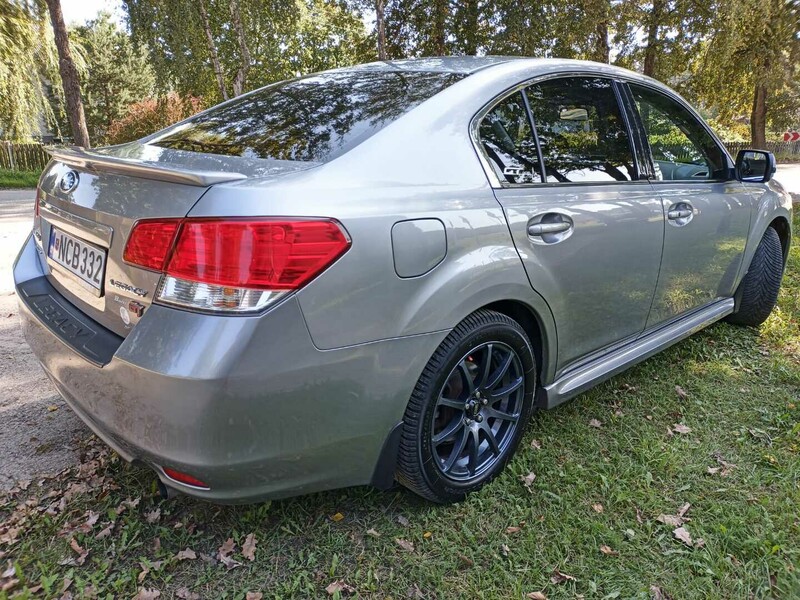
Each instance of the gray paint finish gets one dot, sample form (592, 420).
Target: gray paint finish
(302, 396)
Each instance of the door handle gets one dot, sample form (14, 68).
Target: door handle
(679, 213)
(545, 228)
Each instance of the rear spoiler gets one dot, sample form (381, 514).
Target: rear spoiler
(77, 157)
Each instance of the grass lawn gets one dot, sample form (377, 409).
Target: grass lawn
(18, 179)
(705, 436)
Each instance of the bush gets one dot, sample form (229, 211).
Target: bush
(150, 115)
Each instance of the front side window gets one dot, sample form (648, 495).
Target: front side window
(682, 148)
(506, 137)
(581, 130)
(314, 118)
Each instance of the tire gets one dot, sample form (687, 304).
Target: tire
(458, 401)
(760, 286)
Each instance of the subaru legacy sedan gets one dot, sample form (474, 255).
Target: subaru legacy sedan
(376, 274)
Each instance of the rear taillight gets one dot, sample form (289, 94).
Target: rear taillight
(234, 265)
(185, 478)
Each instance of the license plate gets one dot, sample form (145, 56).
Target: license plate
(86, 261)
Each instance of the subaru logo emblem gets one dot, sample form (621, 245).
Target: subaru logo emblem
(69, 181)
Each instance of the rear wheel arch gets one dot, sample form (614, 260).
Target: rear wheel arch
(781, 225)
(532, 323)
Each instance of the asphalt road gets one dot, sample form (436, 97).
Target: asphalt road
(37, 426)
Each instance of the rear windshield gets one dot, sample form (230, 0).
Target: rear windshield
(316, 118)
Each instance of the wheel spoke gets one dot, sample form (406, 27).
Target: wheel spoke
(448, 432)
(498, 414)
(505, 391)
(497, 376)
(485, 366)
(455, 453)
(491, 439)
(469, 384)
(473, 450)
(450, 403)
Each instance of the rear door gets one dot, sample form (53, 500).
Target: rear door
(590, 234)
(707, 211)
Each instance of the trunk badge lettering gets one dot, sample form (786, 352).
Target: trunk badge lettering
(69, 181)
(128, 287)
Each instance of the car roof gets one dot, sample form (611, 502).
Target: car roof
(436, 64)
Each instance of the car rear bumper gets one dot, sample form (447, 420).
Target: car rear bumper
(246, 404)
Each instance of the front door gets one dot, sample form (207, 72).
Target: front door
(707, 211)
(590, 235)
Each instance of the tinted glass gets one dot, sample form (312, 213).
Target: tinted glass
(682, 148)
(506, 137)
(316, 118)
(581, 130)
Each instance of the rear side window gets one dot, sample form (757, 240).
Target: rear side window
(581, 130)
(506, 137)
(316, 118)
(682, 148)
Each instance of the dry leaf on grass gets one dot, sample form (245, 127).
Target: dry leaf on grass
(81, 552)
(373, 533)
(683, 535)
(527, 480)
(681, 428)
(147, 594)
(337, 517)
(249, 547)
(185, 593)
(186, 554)
(557, 577)
(671, 520)
(608, 551)
(404, 544)
(595, 423)
(403, 521)
(253, 596)
(341, 587)
(505, 549)
(153, 516)
(684, 509)
(657, 593)
(10, 571)
(466, 560)
(536, 596)
(682, 393)
(229, 562)
(153, 566)
(427, 535)
(226, 549)
(513, 529)
(536, 445)
(598, 508)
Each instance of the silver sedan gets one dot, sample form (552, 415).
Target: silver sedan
(377, 273)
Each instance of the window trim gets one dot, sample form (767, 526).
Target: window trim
(729, 167)
(618, 78)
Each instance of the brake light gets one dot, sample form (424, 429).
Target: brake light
(234, 265)
(185, 478)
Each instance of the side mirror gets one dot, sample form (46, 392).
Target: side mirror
(755, 166)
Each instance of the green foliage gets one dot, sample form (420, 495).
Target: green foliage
(116, 75)
(149, 115)
(18, 179)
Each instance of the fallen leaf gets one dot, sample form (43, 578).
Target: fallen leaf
(404, 544)
(337, 517)
(713, 470)
(505, 549)
(513, 529)
(9, 585)
(527, 480)
(373, 533)
(466, 560)
(81, 552)
(684, 509)
(154, 566)
(639, 517)
(227, 548)
(671, 520)
(598, 508)
(187, 554)
(52, 408)
(657, 594)
(249, 547)
(153, 516)
(557, 577)
(608, 551)
(185, 594)
(427, 535)
(341, 587)
(105, 532)
(147, 594)
(699, 543)
(536, 445)
(536, 596)
(403, 521)
(253, 596)
(229, 562)
(595, 423)
(681, 428)
(682, 393)
(683, 535)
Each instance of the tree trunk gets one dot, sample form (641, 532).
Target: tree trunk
(472, 26)
(380, 26)
(439, 25)
(69, 76)
(651, 51)
(212, 50)
(758, 117)
(244, 65)
(602, 52)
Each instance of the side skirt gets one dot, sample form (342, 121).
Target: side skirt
(587, 376)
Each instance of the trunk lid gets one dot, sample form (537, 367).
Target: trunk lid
(114, 188)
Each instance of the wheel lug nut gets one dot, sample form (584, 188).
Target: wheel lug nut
(479, 418)
(484, 402)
